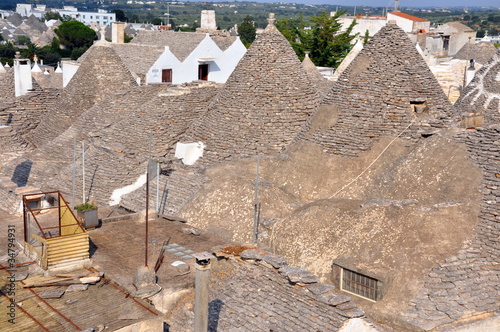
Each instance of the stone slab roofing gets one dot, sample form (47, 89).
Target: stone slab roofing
(7, 86)
(116, 134)
(138, 58)
(322, 84)
(246, 296)
(263, 105)
(465, 288)
(481, 52)
(181, 44)
(224, 42)
(482, 95)
(387, 89)
(100, 74)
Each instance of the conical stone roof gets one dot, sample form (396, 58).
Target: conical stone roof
(100, 74)
(482, 95)
(481, 52)
(315, 76)
(387, 88)
(263, 105)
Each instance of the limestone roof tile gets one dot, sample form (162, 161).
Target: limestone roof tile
(250, 296)
(377, 95)
(482, 95)
(315, 76)
(181, 44)
(101, 73)
(224, 42)
(481, 52)
(263, 105)
(138, 58)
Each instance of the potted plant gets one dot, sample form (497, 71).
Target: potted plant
(87, 214)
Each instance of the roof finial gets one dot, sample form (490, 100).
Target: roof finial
(271, 19)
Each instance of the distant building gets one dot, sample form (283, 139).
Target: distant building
(101, 17)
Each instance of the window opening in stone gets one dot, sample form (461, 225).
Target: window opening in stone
(446, 43)
(203, 72)
(419, 106)
(358, 284)
(166, 75)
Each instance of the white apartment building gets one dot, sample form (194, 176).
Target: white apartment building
(101, 17)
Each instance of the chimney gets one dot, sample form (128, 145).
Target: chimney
(118, 32)
(201, 291)
(208, 20)
(22, 75)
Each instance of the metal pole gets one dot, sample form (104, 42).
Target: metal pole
(256, 204)
(73, 174)
(201, 298)
(157, 188)
(147, 201)
(147, 217)
(83, 171)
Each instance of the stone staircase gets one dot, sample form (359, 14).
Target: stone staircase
(450, 76)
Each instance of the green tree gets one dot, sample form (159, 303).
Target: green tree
(329, 46)
(120, 15)
(78, 52)
(53, 16)
(294, 30)
(23, 40)
(74, 34)
(326, 44)
(247, 31)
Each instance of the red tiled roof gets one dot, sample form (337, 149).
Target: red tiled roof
(409, 17)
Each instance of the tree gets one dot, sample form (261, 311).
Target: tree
(120, 15)
(247, 31)
(329, 46)
(74, 34)
(23, 40)
(294, 30)
(53, 16)
(326, 44)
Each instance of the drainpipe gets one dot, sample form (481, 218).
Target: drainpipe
(201, 291)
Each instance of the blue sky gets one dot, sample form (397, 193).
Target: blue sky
(403, 3)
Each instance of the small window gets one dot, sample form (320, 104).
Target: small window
(419, 106)
(358, 284)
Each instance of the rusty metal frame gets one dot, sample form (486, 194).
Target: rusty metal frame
(28, 211)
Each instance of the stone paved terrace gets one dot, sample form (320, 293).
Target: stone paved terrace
(482, 95)
(377, 96)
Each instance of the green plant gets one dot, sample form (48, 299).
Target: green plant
(85, 207)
